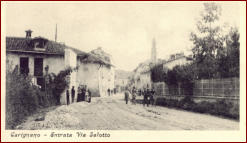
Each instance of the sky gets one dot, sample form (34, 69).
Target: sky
(123, 29)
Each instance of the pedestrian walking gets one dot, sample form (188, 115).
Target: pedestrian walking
(152, 97)
(67, 95)
(73, 93)
(148, 96)
(145, 97)
(84, 93)
(89, 96)
(109, 92)
(134, 95)
(126, 96)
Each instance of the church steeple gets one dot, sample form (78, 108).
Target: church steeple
(153, 52)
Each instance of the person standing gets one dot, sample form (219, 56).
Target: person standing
(109, 92)
(126, 96)
(134, 95)
(148, 96)
(152, 97)
(67, 95)
(145, 98)
(73, 93)
(89, 95)
(84, 93)
(79, 94)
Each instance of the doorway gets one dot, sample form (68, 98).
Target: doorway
(38, 66)
(24, 68)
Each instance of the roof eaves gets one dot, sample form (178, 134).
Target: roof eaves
(35, 52)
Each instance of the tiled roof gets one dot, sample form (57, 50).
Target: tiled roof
(19, 44)
(90, 58)
(99, 53)
(97, 56)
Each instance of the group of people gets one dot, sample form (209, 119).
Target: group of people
(84, 94)
(111, 92)
(148, 95)
(127, 95)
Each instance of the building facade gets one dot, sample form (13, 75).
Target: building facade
(175, 60)
(39, 56)
(122, 80)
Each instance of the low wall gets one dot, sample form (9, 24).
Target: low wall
(210, 89)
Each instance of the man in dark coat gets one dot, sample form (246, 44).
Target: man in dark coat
(67, 95)
(83, 92)
(109, 92)
(145, 98)
(73, 93)
(89, 95)
(126, 96)
(152, 97)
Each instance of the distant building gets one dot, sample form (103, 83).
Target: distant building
(97, 72)
(177, 59)
(142, 75)
(122, 80)
(33, 56)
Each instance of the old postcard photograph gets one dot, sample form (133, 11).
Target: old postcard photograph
(123, 71)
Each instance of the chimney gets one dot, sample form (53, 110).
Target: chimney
(28, 34)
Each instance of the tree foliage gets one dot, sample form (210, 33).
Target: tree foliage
(229, 60)
(60, 82)
(158, 74)
(22, 97)
(208, 42)
(216, 55)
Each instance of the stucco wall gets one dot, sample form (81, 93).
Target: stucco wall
(98, 78)
(55, 62)
(112, 78)
(88, 75)
(145, 80)
(70, 60)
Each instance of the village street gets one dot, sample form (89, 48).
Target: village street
(111, 113)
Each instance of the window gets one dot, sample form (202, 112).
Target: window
(39, 44)
(38, 67)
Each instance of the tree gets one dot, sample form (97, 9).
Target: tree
(158, 73)
(208, 42)
(229, 60)
(60, 82)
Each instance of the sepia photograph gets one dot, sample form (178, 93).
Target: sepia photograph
(121, 66)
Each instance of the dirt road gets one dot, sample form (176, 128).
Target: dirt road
(111, 113)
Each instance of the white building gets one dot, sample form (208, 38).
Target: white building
(33, 55)
(175, 60)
